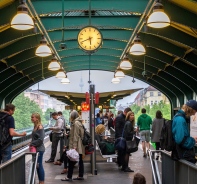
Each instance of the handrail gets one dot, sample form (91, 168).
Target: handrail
(32, 174)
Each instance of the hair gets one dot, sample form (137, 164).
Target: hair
(127, 110)
(54, 114)
(159, 115)
(97, 115)
(188, 110)
(74, 115)
(143, 110)
(120, 112)
(37, 115)
(9, 107)
(127, 117)
(100, 129)
(60, 112)
(139, 179)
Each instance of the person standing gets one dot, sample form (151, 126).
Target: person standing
(38, 135)
(98, 119)
(144, 121)
(62, 117)
(158, 123)
(75, 142)
(120, 122)
(6, 147)
(184, 143)
(56, 131)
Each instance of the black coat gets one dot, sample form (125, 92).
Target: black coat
(119, 125)
(128, 131)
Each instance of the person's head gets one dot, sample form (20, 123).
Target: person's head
(98, 115)
(120, 112)
(73, 115)
(36, 119)
(100, 129)
(190, 108)
(143, 111)
(130, 117)
(139, 179)
(159, 114)
(60, 113)
(10, 108)
(55, 115)
(126, 111)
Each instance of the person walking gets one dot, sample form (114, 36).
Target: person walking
(75, 142)
(184, 143)
(144, 121)
(8, 126)
(157, 125)
(128, 134)
(56, 131)
(38, 135)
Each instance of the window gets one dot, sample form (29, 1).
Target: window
(151, 93)
(159, 93)
(155, 101)
(151, 103)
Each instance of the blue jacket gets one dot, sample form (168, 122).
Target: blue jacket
(180, 130)
(98, 121)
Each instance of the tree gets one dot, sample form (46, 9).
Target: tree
(24, 109)
(47, 114)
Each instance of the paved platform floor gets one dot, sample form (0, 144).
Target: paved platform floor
(108, 173)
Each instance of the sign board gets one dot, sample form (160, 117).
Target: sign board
(193, 125)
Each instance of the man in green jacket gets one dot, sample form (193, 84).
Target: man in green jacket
(144, 121)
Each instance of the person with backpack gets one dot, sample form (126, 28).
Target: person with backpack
(75, 142)
(7, 131)
(184, 144)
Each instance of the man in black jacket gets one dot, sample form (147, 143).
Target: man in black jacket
(119, 126)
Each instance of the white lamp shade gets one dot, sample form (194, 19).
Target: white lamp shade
(65, 81)
(158, 19)
(125, 64)
(54, 65)
(60, 75)
(115, 80)
(137, 49)
(43, 50)
(119, 74)
(22, 21)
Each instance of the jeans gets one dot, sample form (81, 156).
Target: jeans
(64, 159)
(40, 169)
(5, 154)
(71, 167)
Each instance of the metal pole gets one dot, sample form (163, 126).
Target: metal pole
(92, 128)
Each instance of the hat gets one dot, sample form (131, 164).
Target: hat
(192, 104)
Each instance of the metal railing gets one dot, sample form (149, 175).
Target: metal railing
(14, 170)
(172, 172)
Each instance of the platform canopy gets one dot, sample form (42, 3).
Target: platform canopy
(170, 61)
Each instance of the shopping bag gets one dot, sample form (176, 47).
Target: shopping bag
(73, 155)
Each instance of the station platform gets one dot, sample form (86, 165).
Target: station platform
(107, 172)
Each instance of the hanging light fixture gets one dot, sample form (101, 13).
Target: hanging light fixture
(158, 19)
(61, 74)
(115, 80)
(65, 81)
(54, 65)
(22, 21)
(137, 48)
(43, 49)
(125, 64)
(119, 74)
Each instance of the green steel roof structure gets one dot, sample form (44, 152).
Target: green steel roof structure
(171, 52)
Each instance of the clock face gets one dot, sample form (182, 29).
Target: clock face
(90, 38)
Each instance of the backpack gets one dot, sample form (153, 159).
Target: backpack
(4, 131)
(87, 139)
(167, 141)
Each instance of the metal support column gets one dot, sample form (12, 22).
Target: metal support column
(92, 128)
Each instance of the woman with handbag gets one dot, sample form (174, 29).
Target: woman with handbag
(38, 135)
(128, 133)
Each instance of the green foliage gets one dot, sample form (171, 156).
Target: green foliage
(24, 109)
(66, 114)
(47, 113)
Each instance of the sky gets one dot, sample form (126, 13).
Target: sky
(101, 80)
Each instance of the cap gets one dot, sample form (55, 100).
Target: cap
(192, 104)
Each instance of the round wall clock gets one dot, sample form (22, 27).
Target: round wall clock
(90, 39)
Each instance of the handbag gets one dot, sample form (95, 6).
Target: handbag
(120, 143)
(32, 149)
(89, 149)
(132, 145)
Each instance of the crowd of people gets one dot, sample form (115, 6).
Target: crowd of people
(125, 126)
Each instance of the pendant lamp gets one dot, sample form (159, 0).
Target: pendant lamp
(61, 74)
(43, 49)
(54, 65)
(125, 64)
(119, 74)
(115, 80)
(22, 21)
(137, 48)
(158, 19)
(65, 81)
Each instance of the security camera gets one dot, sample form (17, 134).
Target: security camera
(62, 46)
(144, 74)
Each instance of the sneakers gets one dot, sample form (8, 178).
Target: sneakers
(49, 161)
(128, 170)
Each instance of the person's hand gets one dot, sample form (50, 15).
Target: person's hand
(195, 138)
(51, 128)
(75, 148)
(24, 134)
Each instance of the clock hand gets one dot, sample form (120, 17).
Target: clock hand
(85, 40)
